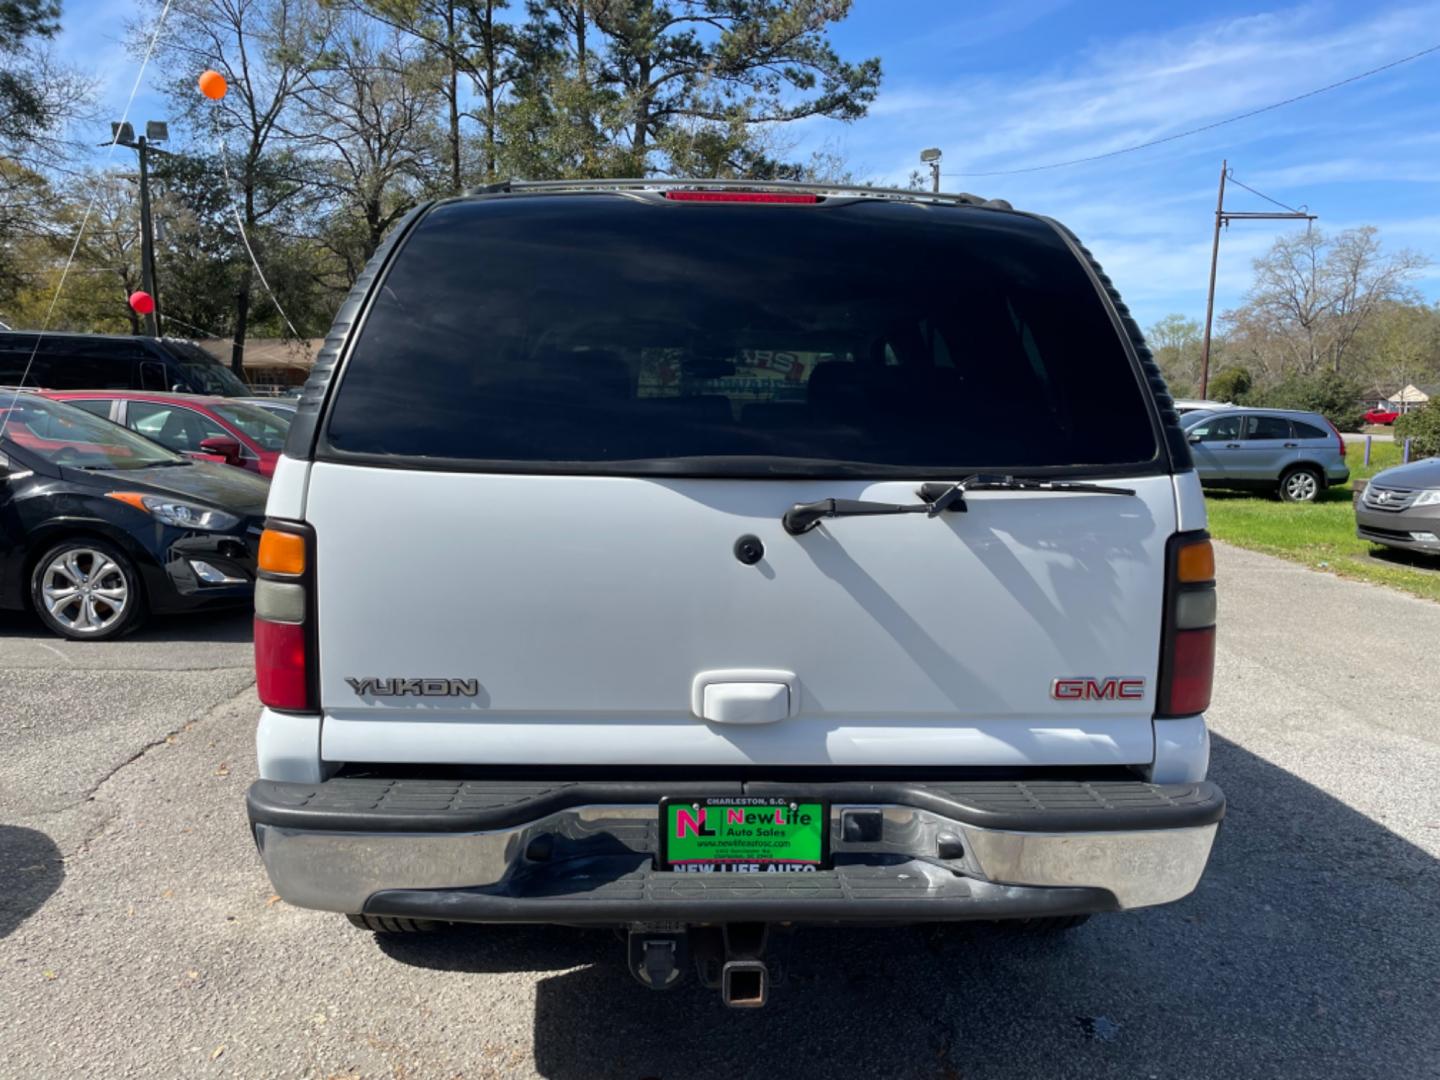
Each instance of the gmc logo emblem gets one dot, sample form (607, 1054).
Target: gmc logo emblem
(1088, 689)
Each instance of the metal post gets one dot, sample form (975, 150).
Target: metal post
(147, 240)
(1222, 217)
(935, 176)
(1210, 301)
(1405, 454)
(1368, 440)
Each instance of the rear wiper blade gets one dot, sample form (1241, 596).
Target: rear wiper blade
(935, 499)
(934, 493)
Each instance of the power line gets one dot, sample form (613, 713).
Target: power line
(1206, 127)
(1267, 198)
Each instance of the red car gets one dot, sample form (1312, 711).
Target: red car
(197, 425)
(1381, 415)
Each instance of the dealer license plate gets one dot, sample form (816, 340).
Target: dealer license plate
(743, 835)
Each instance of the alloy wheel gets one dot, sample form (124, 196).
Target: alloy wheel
(1302, 487)
(84, 590)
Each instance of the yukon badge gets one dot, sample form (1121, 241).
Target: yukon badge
(1092, 689)
(401, 687)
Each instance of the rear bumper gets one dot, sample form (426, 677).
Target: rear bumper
(583, 853)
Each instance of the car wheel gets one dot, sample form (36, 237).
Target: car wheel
(87, 590)
(1301, 485)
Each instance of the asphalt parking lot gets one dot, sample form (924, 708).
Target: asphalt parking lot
(138, 935)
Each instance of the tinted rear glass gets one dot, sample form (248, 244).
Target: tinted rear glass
(1309, 431)
(609, 332)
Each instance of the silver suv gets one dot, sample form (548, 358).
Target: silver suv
(1299, 454)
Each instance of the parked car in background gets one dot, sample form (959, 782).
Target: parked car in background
(113, 362)
(212, 428)
(1298, 454)
(1189, 405)
(1382, 414)
(99, 526)
(1400, 507)
(283, 407)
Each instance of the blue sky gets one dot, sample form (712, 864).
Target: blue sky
(1011, 85)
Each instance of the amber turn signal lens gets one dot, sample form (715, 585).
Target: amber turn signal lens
(1195, 563)
(130, 498)
(282, 552)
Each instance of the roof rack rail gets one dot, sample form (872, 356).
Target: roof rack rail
(683, 183)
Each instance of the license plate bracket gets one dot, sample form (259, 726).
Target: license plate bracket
(744, 834)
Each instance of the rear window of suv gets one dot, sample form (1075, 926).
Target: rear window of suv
(617, 334)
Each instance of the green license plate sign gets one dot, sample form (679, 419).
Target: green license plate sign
(740, 835)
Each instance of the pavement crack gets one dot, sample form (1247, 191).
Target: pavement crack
(90, 794)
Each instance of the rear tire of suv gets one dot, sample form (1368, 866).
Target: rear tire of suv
(86, 589)
(1301, 485)
(386, 924)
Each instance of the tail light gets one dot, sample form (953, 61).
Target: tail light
(1338, 437)
(1187, 651)
(285, 660)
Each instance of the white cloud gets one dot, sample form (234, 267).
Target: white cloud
(1362, 153)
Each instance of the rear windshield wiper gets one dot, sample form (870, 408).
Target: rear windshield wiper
(936, 498)
(936, 492)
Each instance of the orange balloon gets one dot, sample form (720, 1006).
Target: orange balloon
(213, 85)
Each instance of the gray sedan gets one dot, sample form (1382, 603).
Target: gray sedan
(1297, 454)
(1401, 507)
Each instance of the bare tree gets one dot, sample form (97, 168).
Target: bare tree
(1175, 341)
(1312, 296)
(1400, 344)
(266, 49)
(475, 50)
(368, 116)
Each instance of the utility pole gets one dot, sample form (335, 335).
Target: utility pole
(1224, 217)
(155, 131)
(931, 157)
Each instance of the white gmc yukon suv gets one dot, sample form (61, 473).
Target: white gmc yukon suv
(692, 558)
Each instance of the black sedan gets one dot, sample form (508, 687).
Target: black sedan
(99, 526)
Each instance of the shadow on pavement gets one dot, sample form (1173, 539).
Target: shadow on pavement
(31, 869)
(1415, 560)
(230, 624)
(1310, 948)
(224, 625)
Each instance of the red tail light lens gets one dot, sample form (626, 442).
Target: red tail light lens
(1192, 672)
(1187, 655)
(742, 196)
(282, 677)
(1338, 437)
(284, 619)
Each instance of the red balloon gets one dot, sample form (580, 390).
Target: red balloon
(142, 302)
